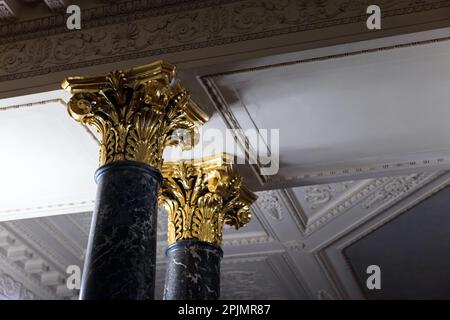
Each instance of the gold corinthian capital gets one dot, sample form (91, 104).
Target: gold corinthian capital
(138, 112)
(200, 196)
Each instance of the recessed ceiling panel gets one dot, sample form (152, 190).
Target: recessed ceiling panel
(48, 160)
(411, 252)
(350, 113)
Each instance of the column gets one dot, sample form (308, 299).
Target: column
(137, 113)
(199, 197)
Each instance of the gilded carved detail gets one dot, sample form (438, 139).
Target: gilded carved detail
(200, 196)
(137, 112)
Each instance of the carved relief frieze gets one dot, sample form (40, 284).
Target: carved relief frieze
(270, 203)
(200, 24)
(245, 285)
(393, 189)
(10, 289)
(319, 195)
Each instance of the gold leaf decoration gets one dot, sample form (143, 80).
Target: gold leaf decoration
(138, 112)
(200, 196)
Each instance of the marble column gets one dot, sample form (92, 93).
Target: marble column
(137, 113)
(193, 271)
(123, 232)
(199, 197)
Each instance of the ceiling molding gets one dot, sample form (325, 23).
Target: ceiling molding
(297, 175)
(341, 217)
(374, 195)
(317, 197)
(31, 104)
(337, 282)
(11, 289)
(17, 267)
(246, 239)
(32, 240)
(41, 102)
(107, 13)
(325, 57)
(57, 5)
(8, 9)
(53, 209)
(32, 284)
(331, 257)
(294, 281)
(276, 207)
(134, 30)
(315, 16)
(302, 267)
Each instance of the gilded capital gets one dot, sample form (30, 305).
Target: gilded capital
(138, 112)
(200, 196)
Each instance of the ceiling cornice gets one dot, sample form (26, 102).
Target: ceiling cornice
(134, 30)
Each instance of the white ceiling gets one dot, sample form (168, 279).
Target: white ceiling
(351, 111)
(354, 110)
(49, 159)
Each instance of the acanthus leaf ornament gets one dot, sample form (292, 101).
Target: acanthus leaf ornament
(138, 112)
(200, 196)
